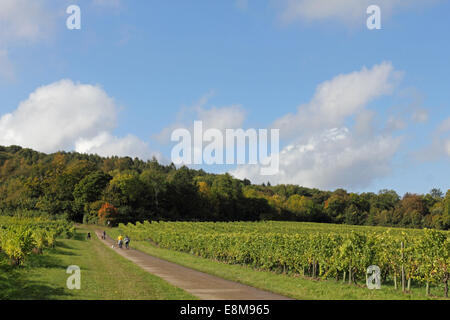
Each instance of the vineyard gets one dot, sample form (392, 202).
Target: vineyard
(314, 250)
(19, 237)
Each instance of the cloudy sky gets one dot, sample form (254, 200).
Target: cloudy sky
(357, 109)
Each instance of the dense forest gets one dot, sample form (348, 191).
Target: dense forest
(94, 189)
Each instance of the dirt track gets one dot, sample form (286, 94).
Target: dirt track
(201, 285)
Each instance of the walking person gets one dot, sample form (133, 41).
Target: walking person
(89, 236)
(120, 241)
(127, 242)
(104, 235)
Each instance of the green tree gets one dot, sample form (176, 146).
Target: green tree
(89, 190)
(301, 206)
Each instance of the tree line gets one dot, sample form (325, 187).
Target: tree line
(94, 189)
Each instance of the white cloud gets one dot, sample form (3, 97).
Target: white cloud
(347, 11)
(336, 158)
(54, 116)
(364, 123)
(226, 117)
(222, 118)
(335, 100)
(24, 21)
(66, 116)
(323, 151)
(105, 144)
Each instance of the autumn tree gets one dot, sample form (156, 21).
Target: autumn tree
(107, 213)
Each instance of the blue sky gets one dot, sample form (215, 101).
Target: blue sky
(138, 69)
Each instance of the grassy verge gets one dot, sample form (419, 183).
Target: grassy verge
(288, 285)
(105, 275)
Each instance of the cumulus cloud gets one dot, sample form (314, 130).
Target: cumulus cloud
(323, 150)
(335, 100)
(346, 11)
(336, 158)
(54, 116)
(221, 118)
(66, 116)
(106, 144)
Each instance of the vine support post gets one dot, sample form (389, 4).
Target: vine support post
(403, 268)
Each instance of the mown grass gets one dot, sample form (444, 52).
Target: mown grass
(293, 286)
(105, 275)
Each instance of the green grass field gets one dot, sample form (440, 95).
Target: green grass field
(104, 275)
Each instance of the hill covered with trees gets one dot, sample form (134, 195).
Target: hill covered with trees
(96, 189)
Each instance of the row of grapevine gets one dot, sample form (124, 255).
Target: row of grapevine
(20, 237)
(421, 255)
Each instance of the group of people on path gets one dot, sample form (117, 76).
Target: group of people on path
(121, 240)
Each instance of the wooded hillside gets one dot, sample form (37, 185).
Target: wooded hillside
(91, 188)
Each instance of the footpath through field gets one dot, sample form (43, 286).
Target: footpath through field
(202, 285)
